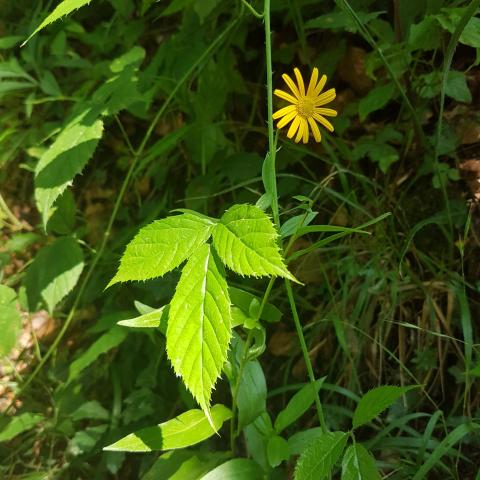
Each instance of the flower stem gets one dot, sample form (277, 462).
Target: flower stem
(276, 217)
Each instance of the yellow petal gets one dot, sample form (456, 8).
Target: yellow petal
(301, 85)
(325, 97)
(291, 85)
(286, 119)
(323, 121)
(320, 85)
(305, 131)
(329, 112)
(283, 111)
(293, 127)
(313, 82)
(300, 131)
(285, 96)
(315, 130)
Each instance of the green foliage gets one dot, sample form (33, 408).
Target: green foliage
(318, 460)
(236, 469)
(147, 124)
(162, 246)
(245, 240)
(297, 406)
(375, 402)
(63, 8)
(200, 324)
(10, 320)
(54, 272)
(65, 159)
(187, 429)
(358, 464)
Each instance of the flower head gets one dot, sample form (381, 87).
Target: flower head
(307, 106)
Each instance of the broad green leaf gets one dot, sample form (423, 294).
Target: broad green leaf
(252, 393)
(10, 320)
(162, 246)
(358, 464)
(375, 100)
(90, 410)
(297, 405)
(54, 272)
(277, 450)
(246, 241)
(187, 429)
(106, 342)
(12, 427)
(200, 324)
(236, 469)
(62, 9)
(155, 319)
(318, 460)
(457, 87)
(375, 402)
(65, 159)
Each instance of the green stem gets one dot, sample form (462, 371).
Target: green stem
(275, 209)
(118, 202)
(306, 356)
(252, 10)
(271, 140)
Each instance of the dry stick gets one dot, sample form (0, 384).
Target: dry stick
(116, 208)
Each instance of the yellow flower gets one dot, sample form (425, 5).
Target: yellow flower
(307, 108)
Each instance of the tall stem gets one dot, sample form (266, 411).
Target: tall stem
(273, 186)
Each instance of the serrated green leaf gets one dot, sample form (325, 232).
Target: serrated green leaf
(376, 401)
(16, 425)
(10, 320)
(297, 405)
(64, 8)
(155, 319)
(54, 272)
(246, 241)
(236, 469)
(65, 159)
(162, 246)
(317, 461)
(187, 429)
(200, 324)
(358, 464)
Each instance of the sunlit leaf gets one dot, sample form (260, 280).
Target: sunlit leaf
(54, 272)
(246, 241)
(162, 246)
(187, 429)
(199, 324)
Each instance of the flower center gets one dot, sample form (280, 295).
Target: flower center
(305, 107)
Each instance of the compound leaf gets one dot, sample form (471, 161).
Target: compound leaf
(200, 324)
(162, 246)
(10, 320)
(246, 241)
